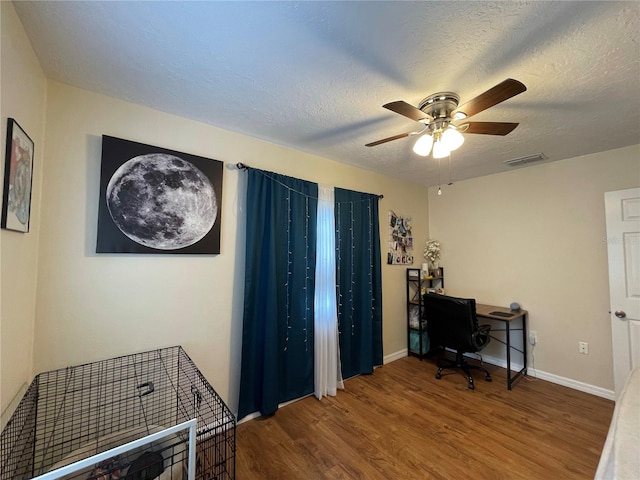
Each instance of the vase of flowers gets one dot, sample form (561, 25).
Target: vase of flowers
(432, 253)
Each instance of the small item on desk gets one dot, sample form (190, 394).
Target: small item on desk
(501, 314)
(515, 306)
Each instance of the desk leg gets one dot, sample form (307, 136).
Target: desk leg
(508, 338)
(511, 378)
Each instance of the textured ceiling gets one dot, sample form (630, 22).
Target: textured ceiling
(313, 75)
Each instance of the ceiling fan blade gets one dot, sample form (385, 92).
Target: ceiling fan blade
(488, 128)
(389, 139)
(501, 92)
(409, 111)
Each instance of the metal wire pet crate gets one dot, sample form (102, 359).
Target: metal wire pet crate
(73, 413)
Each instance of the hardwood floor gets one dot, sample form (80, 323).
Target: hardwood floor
(401, 422)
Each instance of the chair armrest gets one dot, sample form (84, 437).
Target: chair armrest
(481, 337)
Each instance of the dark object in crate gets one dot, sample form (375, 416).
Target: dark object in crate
(75, 412)
(146, 466)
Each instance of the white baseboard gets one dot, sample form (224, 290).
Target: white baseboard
(531, 372)
(501, 362)
(576, 385)
(392, 357)
(553, 378)
(253, 415)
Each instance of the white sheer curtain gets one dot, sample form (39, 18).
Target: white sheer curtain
(327, 372)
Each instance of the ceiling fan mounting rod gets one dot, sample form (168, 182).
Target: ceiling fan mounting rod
(441, 124)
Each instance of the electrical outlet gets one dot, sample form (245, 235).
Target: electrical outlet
(583, 347)
(533, 337)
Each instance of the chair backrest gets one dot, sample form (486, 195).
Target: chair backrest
(451, 321)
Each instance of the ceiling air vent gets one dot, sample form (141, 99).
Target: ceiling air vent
(525, 160)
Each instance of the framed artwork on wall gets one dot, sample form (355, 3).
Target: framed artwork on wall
(155, 200)
(18, 177)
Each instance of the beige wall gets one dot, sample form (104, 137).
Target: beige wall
(22, 93)
(89, 306)
(537, 236)
(93, 306)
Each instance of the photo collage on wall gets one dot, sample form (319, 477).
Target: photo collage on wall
(400, 240)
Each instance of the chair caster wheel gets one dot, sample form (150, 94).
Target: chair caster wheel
(471, 386)
(438, 376)
(488, 378)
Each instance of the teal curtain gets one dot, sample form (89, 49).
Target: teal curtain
(359, 281)
(277, 337)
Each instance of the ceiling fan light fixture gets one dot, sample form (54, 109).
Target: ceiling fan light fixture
(452, 138)
(459, 115)
(440, 150)
(423, 145)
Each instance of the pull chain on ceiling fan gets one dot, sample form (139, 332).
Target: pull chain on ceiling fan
(442, 117)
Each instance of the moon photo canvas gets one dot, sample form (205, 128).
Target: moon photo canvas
(154, 200)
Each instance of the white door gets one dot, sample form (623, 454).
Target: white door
(623, 246)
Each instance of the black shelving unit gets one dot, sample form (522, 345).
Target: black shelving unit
(417, 285)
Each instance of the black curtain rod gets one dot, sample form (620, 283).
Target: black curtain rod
(242, 166)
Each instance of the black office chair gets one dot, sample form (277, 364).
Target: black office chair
(452, 323)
